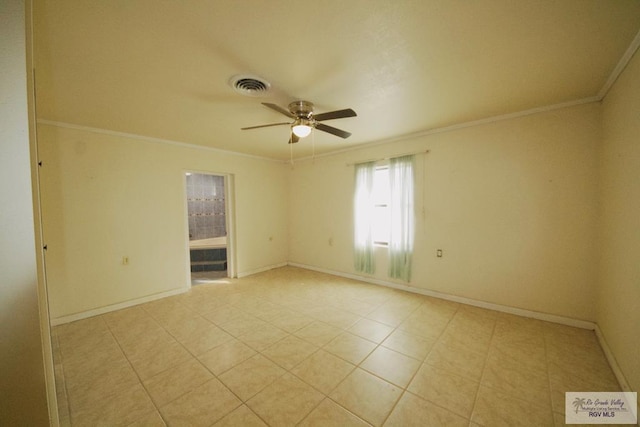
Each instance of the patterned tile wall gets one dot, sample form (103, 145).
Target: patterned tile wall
(206, 206)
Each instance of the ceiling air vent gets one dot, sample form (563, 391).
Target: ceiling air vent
(249, 85)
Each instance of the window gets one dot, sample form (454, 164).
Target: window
(381, 206)
(383, 215)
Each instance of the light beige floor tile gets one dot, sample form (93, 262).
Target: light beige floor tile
(258, 306)
(473, 320)
(82, 363)
(334, 317)
(119, 409)
(241, 417)
(262, 337)
(391, 366)
(350, 347)
(389, 315)
(291, 321)
(206, 339)
(169, 313)
(424, 326)
(367, 396)
(140, 346)
(152, 419)
(127, 318)
(558, 399)
(323, 370)
(411, 345)
(226, 314)
(131, 333)
(529, 384)
(202, 303)
(149, 364)
(81, 329)
(226, 356)
(249, 377)
(412, 411)
(602, 378)
(464, 338)
(188, 328)
(556, 333)
(329, 413)
(361, 308)
(518, 354)
(289, 351)
(274, 311)
(562, 381)
(318, 333)
(559, 420)
(371, 330)
(519, 362)
(437, 308)
(373, 296)
(519, 328)
(242, 325)
(452, 392)
(202, 406)
(102, 383)
(285, 402)
(173, 383)
(590, 358)
(457, 360)
(494, 408)
(78, 347)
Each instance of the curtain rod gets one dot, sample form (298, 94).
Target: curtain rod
(387, 158)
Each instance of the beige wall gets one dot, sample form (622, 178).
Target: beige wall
(108, 196)
(23, 399)
(512, 204)
(618, 301)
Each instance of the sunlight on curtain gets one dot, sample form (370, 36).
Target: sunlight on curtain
(402, 222)
(363, 217)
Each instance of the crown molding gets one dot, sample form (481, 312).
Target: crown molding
(622, 64)
(458, 126)
(152, 139)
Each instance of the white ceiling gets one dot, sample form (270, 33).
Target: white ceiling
(161, 68)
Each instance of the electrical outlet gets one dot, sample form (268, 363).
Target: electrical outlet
(125, 260)
(439, 253)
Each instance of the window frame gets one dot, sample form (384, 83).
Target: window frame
(386, 205)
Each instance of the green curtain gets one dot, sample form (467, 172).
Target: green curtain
(402, 217)
(363, 218)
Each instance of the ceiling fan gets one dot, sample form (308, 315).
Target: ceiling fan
(304, 120)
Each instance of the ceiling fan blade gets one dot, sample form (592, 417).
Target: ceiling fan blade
(279, 109)
(334, 131)
(266, 126)
(293, 138)
(338, 114)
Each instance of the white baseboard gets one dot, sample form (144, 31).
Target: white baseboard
(612, 360)
(109, 308)
(482, 304)
(261, 269)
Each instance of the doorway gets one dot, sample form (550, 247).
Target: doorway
(207, 218)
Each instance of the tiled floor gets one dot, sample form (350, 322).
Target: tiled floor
(295, 347)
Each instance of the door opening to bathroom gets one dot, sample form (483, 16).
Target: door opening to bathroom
(207, 217)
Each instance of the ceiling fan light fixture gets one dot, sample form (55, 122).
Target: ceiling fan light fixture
(301, 128)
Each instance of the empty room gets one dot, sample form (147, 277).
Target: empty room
(355, 213)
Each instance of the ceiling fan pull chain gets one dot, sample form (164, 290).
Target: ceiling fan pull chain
(291, 154)
(313, 145)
